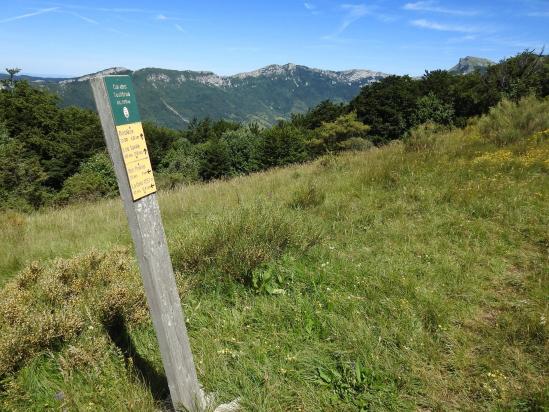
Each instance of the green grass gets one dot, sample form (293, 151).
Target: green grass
(392, 279)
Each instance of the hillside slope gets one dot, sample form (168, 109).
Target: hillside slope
(172, 98)
(412, 277)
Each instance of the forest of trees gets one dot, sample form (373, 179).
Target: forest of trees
(51, 156)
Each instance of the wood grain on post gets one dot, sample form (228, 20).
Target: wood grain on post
(156, 269)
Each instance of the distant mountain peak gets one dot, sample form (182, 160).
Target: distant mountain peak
(347, 76)
(469, 64)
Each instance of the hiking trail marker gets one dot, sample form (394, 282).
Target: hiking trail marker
(117, 108)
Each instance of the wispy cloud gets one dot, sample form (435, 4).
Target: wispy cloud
(25, 16)
(86, 19)
(163, 17)
(104, 9)
(116, 31)
(312, 8)
(432, 25)
(433, 7)
(462, 39)
(353, 13)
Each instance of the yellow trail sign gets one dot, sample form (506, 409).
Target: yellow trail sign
(136, 159)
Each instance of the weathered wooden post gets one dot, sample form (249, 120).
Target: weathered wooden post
(117, 107)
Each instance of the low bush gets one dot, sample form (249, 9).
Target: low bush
(44, 307)
(94, 180)
(509, 122)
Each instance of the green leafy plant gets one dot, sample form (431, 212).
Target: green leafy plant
(357, 385)
(268, 280)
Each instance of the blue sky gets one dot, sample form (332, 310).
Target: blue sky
(403, 37)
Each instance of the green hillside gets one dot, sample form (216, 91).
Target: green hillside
(407, 277)
(173, 98)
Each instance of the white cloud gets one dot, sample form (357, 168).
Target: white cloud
(461, 39)
(354, 12)
(433, 7)
(163, 17)
(432, 25)
(309, 6)
(25, 16)
(179, 28)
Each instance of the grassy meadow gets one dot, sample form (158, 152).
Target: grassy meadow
(409, 277)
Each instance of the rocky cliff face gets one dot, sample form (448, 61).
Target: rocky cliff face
(470, 64)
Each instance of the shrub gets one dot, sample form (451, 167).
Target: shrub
(21, 176)
(345, 127)
(244, 151)
(431, 109)
(510, 122)
(283, 144)
(94, 180)
(44, 307)
(215, 159)
(180, 165)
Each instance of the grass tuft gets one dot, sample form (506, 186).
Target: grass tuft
(307, 196)
(239, 242)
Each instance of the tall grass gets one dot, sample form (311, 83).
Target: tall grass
(235, 244)
(402, 278)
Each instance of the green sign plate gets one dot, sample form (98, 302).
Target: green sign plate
(123, 100)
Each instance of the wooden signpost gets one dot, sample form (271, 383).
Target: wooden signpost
(117, 107)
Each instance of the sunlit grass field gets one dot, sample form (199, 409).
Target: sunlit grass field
(410, 277)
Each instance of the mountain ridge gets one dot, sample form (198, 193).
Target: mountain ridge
(173, 97)
(350, 75)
